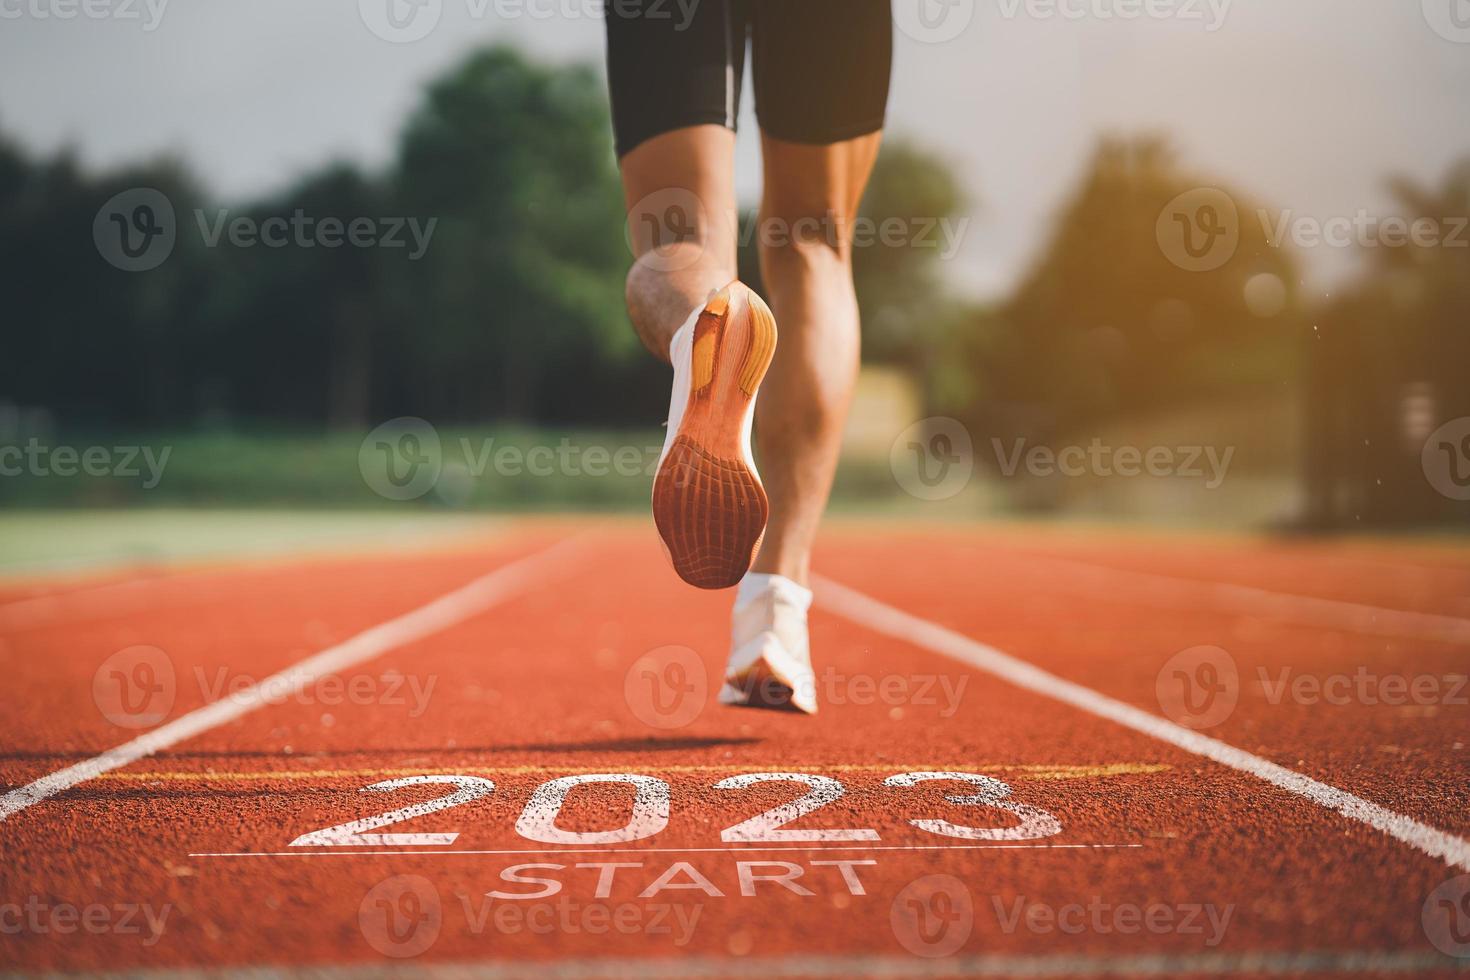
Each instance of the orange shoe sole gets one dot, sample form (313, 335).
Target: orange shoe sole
(708, 502)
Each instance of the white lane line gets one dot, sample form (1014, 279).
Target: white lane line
(1288, 607)
(448, 610)
(882, 618)
(353, 852)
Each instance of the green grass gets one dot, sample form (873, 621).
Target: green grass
(508, 469)
(492, 470)
(38, 541)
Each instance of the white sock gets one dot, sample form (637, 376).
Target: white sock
(771, 604)
(756, 584)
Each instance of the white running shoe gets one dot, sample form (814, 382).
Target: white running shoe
(770, 661)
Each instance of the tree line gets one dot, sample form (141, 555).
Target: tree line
(505, 301)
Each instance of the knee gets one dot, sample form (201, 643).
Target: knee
(808, 239)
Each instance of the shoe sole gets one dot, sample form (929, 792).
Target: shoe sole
(708, 502)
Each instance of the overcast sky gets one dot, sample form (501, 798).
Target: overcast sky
(1307, 104)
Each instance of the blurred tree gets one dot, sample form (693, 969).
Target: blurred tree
(1386, 364)
(514, 310)
(911, 316)
(294, 326)
(900, 276)
(525, 274)
(1105, 323)
(83, 339)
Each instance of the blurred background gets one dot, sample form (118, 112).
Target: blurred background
(1187, 262)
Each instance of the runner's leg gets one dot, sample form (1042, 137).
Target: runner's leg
(811, 198)
(819, 150)
(680, 193)
(674, 81)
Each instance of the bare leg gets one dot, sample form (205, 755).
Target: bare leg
(680, 194)
(812, 191)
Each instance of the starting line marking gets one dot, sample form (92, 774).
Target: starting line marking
(676, 850)
(448, 610)
(890, 621)
(1044, 772)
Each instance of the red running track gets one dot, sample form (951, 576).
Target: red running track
(1042, 837)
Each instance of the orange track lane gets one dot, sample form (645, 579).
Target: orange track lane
(1138, 856)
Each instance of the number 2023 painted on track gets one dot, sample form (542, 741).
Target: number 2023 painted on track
(650, 812)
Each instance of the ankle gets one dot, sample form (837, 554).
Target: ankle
(796, 569)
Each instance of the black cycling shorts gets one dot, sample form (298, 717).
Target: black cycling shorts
(820, 67)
